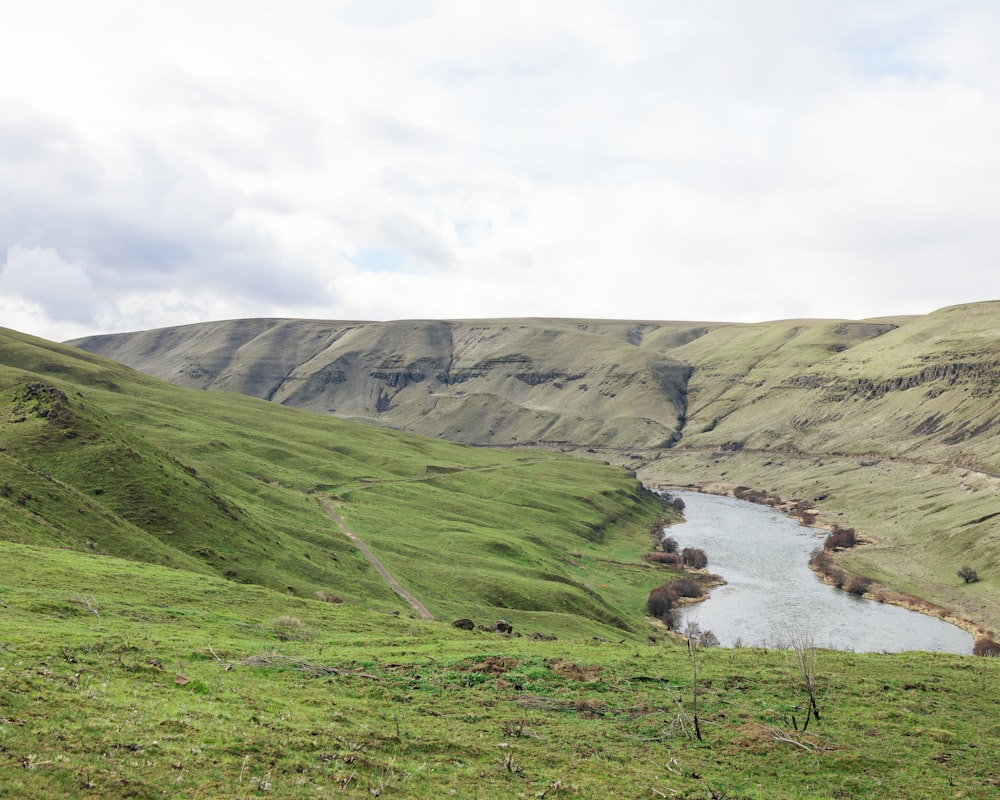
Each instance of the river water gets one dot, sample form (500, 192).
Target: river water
(771, 595)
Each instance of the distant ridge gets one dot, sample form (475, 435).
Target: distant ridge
(809, 385)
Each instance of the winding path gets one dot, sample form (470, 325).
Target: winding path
(418, 607)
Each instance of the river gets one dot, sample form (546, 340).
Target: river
(771, 595)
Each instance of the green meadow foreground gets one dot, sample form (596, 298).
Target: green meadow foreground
(180, 617)
(127, 680)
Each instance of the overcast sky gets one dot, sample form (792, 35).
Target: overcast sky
(743, 160)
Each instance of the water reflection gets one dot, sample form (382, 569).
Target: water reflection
(771, 594)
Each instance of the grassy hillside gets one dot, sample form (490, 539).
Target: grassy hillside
(120, 679)
(924, 389)
(100, 459)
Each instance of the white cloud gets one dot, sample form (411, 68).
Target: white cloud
(43, 279)
(726, 160)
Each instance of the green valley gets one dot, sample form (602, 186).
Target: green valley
(887, 425)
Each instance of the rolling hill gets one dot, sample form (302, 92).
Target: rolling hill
(100, 459)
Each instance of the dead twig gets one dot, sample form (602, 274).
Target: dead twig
(312, 669)
(226, 665)
(779, 735)
(89, 605)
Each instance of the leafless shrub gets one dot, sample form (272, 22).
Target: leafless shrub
(661, 604)
(660, 601)
(840, 539)
(822, 562)
(288, 628)
(668, 559)
(804, 650)
(694, 557)
(686, 587)
(513, 728)
(857, 584)
(985, 646)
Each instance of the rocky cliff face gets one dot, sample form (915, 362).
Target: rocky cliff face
(482, 382)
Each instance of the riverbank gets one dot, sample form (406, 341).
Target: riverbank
(808, 514)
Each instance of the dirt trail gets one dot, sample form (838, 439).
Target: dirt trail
(380, 568)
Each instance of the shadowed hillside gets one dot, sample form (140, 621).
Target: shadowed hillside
(499, 382)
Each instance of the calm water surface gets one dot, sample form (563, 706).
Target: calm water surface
(771, 592)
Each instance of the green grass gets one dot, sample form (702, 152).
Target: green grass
(120, 679)
(100, 459)
(160, 636)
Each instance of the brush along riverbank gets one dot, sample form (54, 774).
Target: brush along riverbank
(821, 558)
(923, 521)
(127, 680)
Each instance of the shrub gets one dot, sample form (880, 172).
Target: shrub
(968, 574)
(820, 560)
(668, 544)
(686, 587)
(694, 557)
(858, 584)
(670, 559)
(840, 539)
(985, 646)
(288, 628)
(661, 602)
(677, 504)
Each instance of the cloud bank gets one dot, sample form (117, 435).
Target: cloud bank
(377, 160)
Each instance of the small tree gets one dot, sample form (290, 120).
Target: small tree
(693, 631)
(708, 639)
(968, 574)
(660, 601)
(661, 604)
(678, 504)
(669, 544)
(805, 660)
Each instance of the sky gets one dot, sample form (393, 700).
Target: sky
(723, 160)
